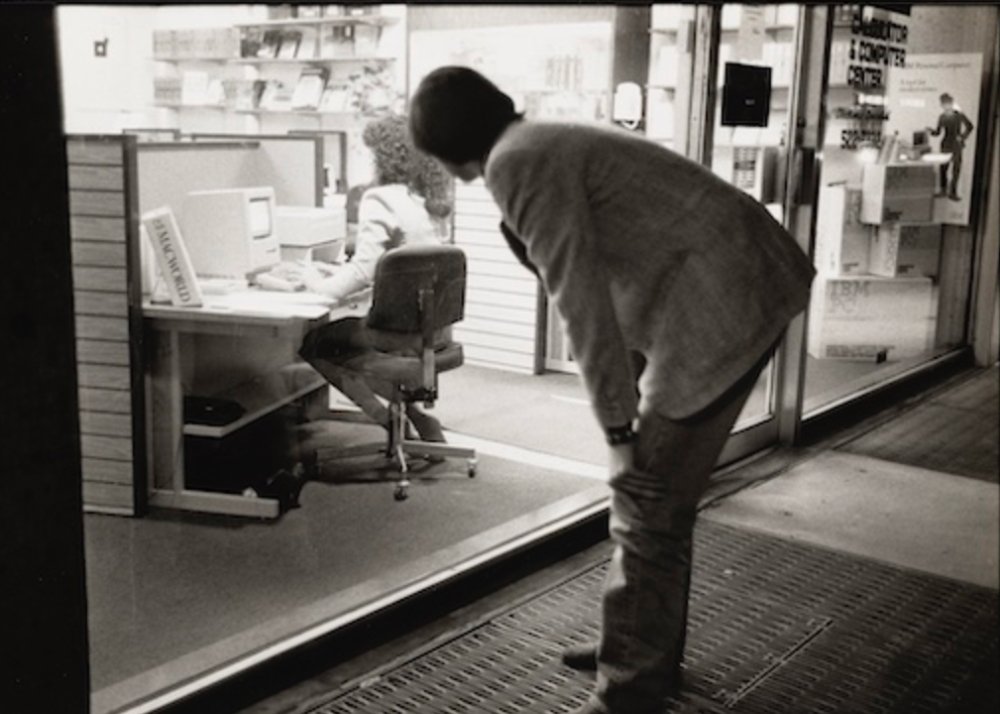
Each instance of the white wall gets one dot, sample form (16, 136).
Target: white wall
(104, 94)
(107, 94)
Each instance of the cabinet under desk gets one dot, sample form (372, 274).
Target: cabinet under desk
(238, 352)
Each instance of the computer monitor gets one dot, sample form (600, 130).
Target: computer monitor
(231, 233)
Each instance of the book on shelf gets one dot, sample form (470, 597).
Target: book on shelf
(309, 11)
(337, 42)
(269, 44)
(163, 43)
(308, 43)
(167, 90)
(215, 92)
(172, 257)
(277, 96)
(248, 93)
(336, 99)
(362, 10)
(366, 40)
(309, 88)
(289, 47)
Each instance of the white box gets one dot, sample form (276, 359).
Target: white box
(306, 226)
(899, 249)
(898, 192)
(852, 317)
(329, 252)
(843, 242)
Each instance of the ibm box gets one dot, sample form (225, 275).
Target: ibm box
(857, 317)
(898, 249)
(843, 242)
(898, 192)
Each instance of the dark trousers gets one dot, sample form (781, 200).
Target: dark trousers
(653, 511)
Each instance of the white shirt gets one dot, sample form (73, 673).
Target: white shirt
(388, 216)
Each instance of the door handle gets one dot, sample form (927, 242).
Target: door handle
(803, 176)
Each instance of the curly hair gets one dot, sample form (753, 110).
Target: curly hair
(397, 160)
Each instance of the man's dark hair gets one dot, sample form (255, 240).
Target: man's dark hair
(457, 114)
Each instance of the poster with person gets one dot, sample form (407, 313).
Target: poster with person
(933, 103)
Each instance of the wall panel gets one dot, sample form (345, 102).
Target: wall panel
(108, 327)
(502, 295)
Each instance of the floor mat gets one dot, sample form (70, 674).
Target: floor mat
(954, 432)
(775, 626)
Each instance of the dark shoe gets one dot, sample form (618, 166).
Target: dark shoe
(428, 428)
(953, 197)
(582, 658)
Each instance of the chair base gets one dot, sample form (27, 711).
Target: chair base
(400, 457)
(396, 450)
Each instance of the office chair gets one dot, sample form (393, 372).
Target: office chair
(418, 291)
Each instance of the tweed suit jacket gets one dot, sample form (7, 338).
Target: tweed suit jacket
(642, 249)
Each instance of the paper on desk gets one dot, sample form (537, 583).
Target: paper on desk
(299, 304)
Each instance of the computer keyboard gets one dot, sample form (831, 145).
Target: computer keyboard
(268, 281)
(221, 286)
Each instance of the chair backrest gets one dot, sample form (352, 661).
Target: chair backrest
(400, 276)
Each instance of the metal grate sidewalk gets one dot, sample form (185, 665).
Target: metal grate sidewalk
(775, 626)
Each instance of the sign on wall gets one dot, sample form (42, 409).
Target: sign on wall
(935, 98)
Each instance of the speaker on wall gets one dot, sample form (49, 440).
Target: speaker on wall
(746, 95)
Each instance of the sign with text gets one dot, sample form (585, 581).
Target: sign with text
(934, 100)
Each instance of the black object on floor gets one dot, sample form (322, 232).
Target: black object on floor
(775, 626)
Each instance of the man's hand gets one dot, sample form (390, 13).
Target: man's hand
(620, 458)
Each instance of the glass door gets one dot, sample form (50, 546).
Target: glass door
(758, 56)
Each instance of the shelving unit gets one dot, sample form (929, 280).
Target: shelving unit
(311, 60)
(224, 79)
(669, 55)
(323, 20)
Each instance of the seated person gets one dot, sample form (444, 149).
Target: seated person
(407, 204)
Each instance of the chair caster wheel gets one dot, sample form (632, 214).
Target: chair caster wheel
(471, 469)
(400, 494)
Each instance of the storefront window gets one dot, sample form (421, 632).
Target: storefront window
(750, 139)
(218, 532)
(222, 527)
(893, 239)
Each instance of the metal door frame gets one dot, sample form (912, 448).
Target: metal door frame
(806, 115)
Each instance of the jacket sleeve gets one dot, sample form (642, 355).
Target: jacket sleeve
(966, 124)
(517, 248)
(378, 227)
(544, 203)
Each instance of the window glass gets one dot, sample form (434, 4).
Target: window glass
(893, 238)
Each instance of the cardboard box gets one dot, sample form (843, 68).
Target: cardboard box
(898, 192)
(898, 249)
(856, 317)
(843, 242)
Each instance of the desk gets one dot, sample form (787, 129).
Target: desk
(241, 346)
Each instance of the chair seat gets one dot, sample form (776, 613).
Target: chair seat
(404, 370)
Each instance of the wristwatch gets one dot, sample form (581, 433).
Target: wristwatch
(617, 435)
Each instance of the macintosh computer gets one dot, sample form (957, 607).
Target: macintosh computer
(231, 233)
